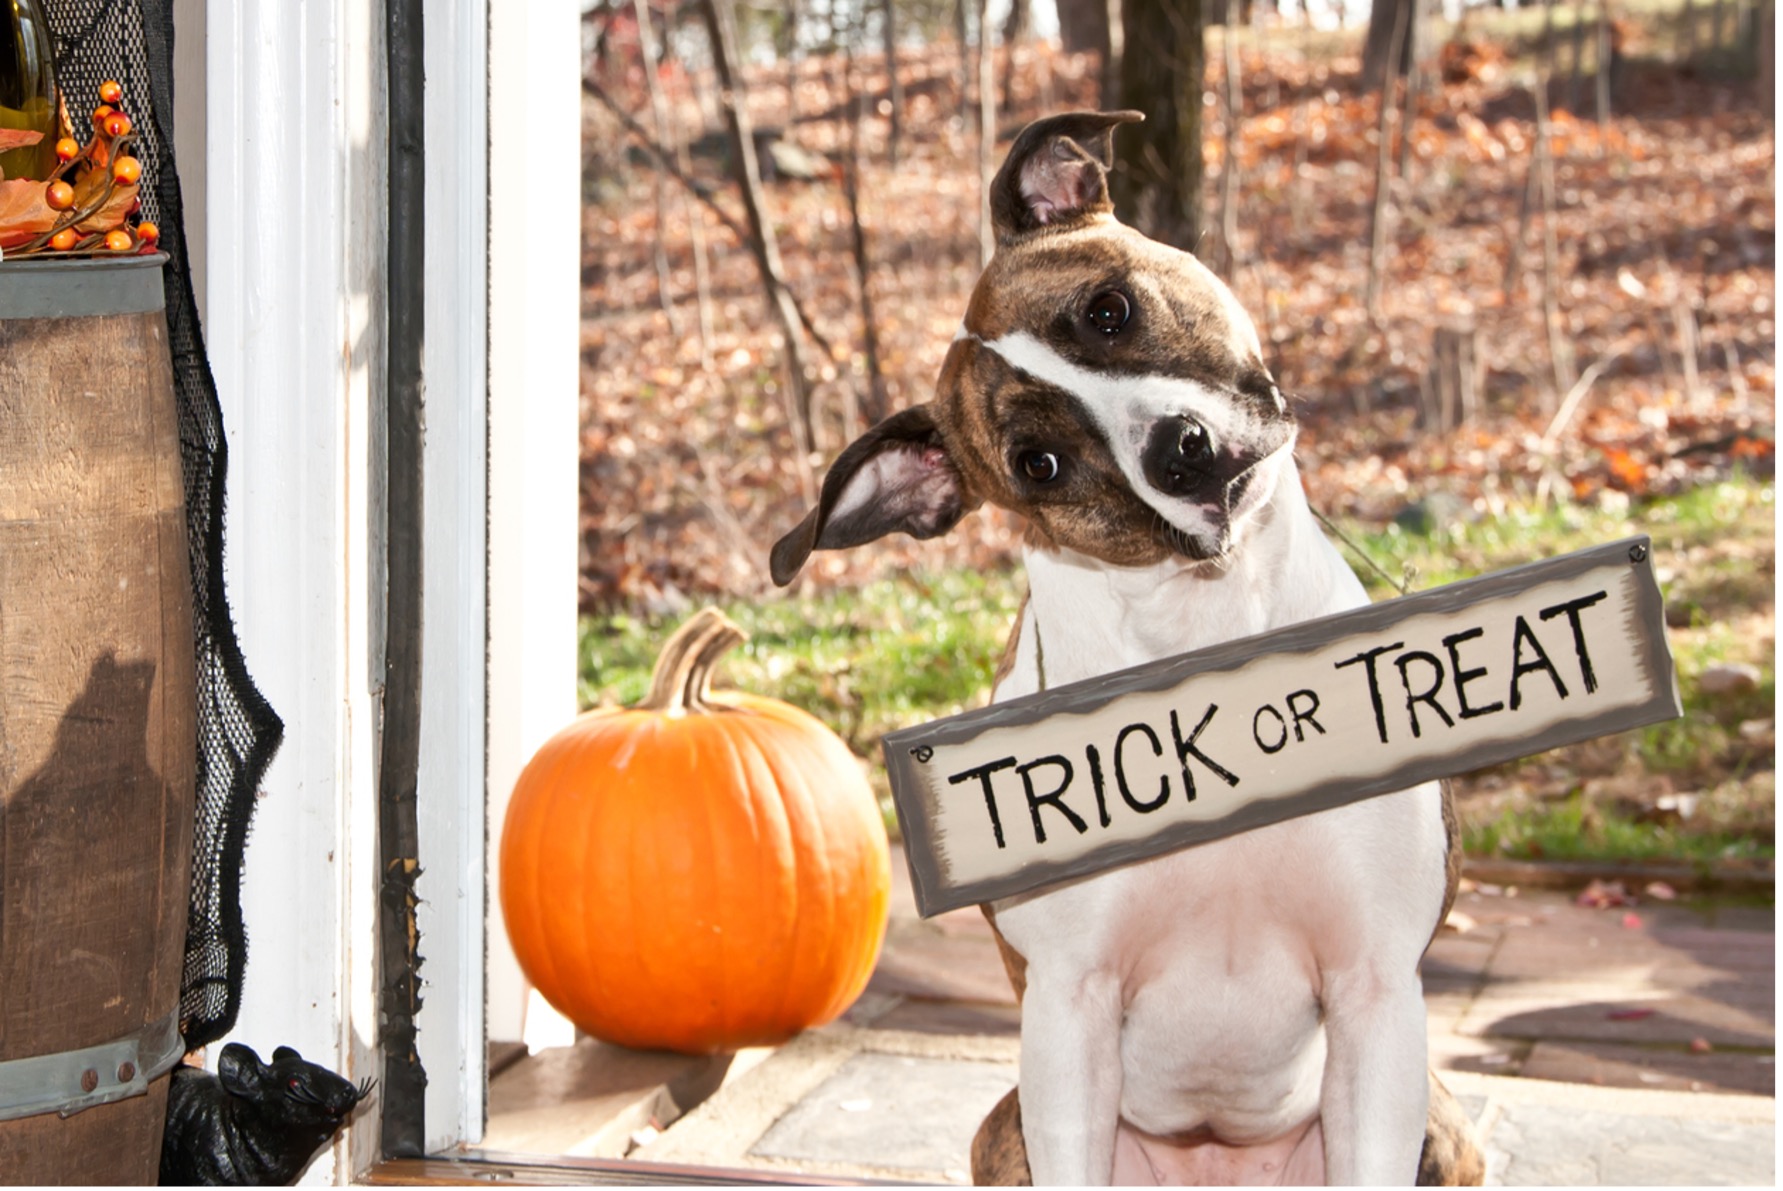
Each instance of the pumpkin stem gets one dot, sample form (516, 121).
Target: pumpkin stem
(681, 682)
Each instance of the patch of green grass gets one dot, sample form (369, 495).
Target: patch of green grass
(1714, 552)
(1715, 555)
(1731, 522)
(1578, 828)
(865, 661)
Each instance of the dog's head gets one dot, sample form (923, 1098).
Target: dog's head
(1107, 387)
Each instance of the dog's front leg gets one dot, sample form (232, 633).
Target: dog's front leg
(1376, 1092)
(1070, 1076)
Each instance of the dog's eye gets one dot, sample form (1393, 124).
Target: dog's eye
(1109, 311)
(1042, 467)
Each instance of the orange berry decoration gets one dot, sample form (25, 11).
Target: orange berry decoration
(100, 113)
(147, 232)
(67, 149)
(59, 196)
(65, 239)
(119, 241)
(117, 124)
(126, 171)
(110, 91)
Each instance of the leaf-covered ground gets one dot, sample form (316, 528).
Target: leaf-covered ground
(1664, 234)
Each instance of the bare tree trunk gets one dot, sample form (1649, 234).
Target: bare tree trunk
(1408, 116)
(1158, 177)
(762, 240)
(1392, 29)
(1578, 59)
(702, 192)
(696, 226)
(1559, 350)
(1548, 53)
(1605, 58)
(1513, 257)
(987, 136)
(1083, 26)
(1383, 172)
(894, 85)
(1452, 384)
(1766, 83)
(1297, 196)
(1111, 62)
(1229, 170)
(790, 52)
(1689, 345)
(960, 38)
(659, 115)
(1015, 35)
(877, 404)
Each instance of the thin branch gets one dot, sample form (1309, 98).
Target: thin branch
(877, 401)
(1407, 572)
(659, 116)
(1229, 169)
(721, 29)
(987, 136)
(1559, 351)
(1575, 398)
(701, 191)
(1377, 236)
(696, 227)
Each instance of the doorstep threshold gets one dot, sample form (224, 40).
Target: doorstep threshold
(471, 1167)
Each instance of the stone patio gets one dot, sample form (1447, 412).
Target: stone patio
(1628, 1045)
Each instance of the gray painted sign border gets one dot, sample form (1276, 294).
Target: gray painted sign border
(907, 750)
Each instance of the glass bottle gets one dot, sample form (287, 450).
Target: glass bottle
(27, 87)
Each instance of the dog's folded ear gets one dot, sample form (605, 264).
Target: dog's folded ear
(1056, 172)
(897, 477)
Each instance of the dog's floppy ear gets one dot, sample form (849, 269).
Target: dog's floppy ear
(895, 477)
(1056, 171)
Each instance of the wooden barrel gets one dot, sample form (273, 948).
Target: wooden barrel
(97, 721)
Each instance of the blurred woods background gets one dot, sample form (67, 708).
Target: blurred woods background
(1514, 267)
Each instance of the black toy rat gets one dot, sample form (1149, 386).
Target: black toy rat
(251, 1123)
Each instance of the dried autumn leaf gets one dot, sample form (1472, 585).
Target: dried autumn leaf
(23, 213)
(18, 138)
(112, 214)
(1629, 471)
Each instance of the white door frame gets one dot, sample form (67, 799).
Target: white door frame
(286, 180)
(294, 180)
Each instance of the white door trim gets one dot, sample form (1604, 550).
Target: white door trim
(451, 787)
(535, 253)
(294, 226)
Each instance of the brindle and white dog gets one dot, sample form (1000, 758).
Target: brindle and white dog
(1247, 1010)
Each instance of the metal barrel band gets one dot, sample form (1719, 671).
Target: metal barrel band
(72, 1081)
(81, 287)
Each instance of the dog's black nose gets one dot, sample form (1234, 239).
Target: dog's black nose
(1178, 456)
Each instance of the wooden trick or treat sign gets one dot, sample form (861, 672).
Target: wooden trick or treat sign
(1129, 765)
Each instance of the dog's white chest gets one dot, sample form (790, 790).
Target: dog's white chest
(1212, 969)
(1218, 952)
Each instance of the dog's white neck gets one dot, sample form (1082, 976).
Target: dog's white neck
(1090, 618)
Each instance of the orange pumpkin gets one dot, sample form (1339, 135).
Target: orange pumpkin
(696, 873)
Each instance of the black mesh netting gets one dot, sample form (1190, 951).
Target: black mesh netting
(132, 41)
